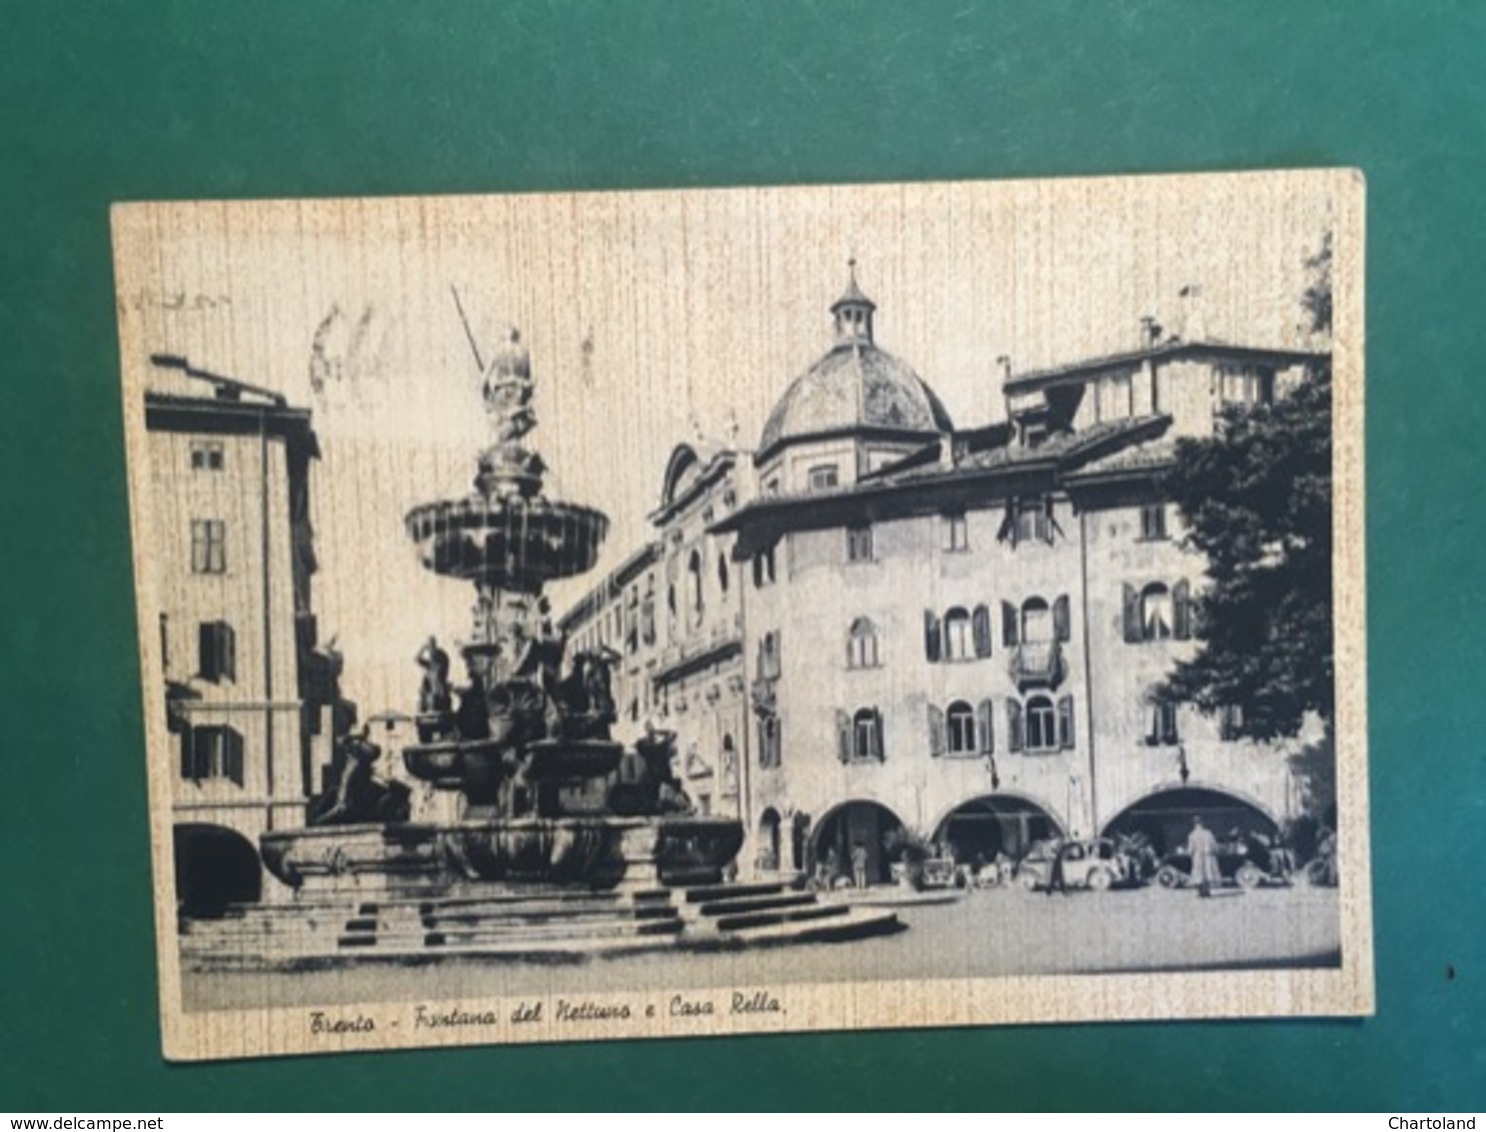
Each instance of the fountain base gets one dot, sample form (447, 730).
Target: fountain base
(584, 852)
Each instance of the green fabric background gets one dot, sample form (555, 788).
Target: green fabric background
(110, 102)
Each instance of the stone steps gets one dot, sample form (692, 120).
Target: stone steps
(546, 925)
(852, 924)
(732, 923)
(707, 893)
(757, 903)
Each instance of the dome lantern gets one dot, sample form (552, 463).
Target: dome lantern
(853, 311)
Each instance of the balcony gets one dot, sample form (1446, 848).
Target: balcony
(1038, 665)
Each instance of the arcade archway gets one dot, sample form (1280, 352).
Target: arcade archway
(994, 825)
(850, 828)
(1165, 817)
(214, 868)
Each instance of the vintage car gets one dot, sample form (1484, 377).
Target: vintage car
(1096, 864)
(1247, 860)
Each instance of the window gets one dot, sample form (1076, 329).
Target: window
(862, 645)
(1040, 726)
(768, 740)
(211, 752)
(823, 478)
(771, 486)
(1037, 621)
(1027, 520)
(866, 736)
(722, 573)
(1031, 520)
(164, 643)
(1244, 385)
(207, 456)
(1230, 723)
(859, 544)
(694, 574)
(1042, 732)
(768, 656)
(217, 651)
(960, 729)
(956, 532)
(1162, 730)
(632, 621)
(1153, 521)
(647, 612)
(1155, 612)
(958, 635)
(958, 640)
(763, 568)
(208, 546)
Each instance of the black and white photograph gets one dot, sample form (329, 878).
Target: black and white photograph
(623, 615)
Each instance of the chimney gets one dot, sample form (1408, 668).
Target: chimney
(1150, 332)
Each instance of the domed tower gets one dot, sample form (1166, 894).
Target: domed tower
(855, 410)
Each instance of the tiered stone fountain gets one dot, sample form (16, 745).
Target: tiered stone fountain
(557, 842)
(547, 798)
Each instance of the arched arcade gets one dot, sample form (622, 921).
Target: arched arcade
(215, 867)
(1164, 817)
(981, 829)
(848, 827)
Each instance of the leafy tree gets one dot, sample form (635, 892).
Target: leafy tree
(1256, 498)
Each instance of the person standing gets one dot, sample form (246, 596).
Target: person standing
(1202, 847)
(859, 864)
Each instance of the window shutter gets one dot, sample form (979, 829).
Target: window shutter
(188, 761)
(985, 727)
(232, 755)
(1014, 737)
(936, 730)
(1065, 722)
(227, 639)
(1132, 615)
(1049, 524)
(1061, 627)
(1008, 525)
(933, 637)
(981, 625)
(1008, 625)
(206, 652)
(1181, 610)
(843, 736)
(1153, 731)
(877, 747)
(201, 752)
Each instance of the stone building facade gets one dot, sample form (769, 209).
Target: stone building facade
(951, 631)
(672, 615)
(250, 695)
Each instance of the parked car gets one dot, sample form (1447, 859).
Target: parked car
(1096, 864)
(1247, 860)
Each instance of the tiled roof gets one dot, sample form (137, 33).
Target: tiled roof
(1035, 379)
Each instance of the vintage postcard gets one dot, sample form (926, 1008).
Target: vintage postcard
(593, 616)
